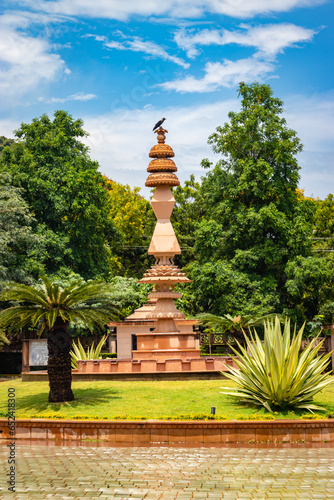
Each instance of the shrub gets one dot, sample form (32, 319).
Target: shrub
(79, 352)
(276, 375)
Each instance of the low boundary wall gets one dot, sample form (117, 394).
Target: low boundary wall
(43, 376)
(150, 365)
(157, 431)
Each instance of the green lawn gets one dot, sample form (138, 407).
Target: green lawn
(146, 399)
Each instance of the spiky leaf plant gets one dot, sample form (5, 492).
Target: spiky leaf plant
(276, 375)
(79, 352)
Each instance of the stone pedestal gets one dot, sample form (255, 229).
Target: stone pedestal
(25, 356)
(162, 346)
(332, 346)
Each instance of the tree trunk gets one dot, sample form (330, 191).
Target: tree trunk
(59, 363)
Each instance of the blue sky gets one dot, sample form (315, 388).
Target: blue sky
(122, 65)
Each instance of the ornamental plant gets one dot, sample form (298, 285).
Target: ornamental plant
(3, 339)
(79, 353)
(275, 374)
(51, 308)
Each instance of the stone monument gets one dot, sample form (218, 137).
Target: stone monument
(157, 339)
(166, 340)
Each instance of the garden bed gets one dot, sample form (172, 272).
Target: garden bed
(126, 400)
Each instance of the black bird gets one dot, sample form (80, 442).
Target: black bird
(159, 123)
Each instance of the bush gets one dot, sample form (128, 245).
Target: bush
(276, 375)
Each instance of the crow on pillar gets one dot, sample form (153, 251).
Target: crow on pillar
(158, 124)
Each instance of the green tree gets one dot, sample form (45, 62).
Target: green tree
(255, 225)
(20, 259)
(323, 230)
(134, 219)
(227, 323)
(188, 211)
(51, 308)
(323, 246)
(65, 191)
(128, 294)
(4, 141)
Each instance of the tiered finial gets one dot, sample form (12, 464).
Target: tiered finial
(161, 135)
(162, 167)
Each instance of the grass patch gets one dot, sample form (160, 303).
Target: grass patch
(143, 400)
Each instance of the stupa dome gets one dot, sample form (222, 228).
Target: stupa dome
(162, 165)
(161, 151)
(161, 178)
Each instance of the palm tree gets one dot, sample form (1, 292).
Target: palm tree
(230, 323)
(3, 339)
(233, 326)
(50, 308)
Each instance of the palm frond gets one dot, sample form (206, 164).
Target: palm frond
(3, 339)
(80, 302)
(86, 292)
(24, 293)
(228, 322)
(18, 317)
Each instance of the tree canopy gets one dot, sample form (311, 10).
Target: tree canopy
(65, 191)
(256, 232)
(134, 219)
(251, 241)
(19, 255)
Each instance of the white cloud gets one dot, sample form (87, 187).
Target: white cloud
(313, 118)
(24, 19)
(217, 75)
(136, 44)
(121, 140)
(79, 96)
(250, 8)
(122, 10)
(7, 127)
(26, 61)
(269, 39)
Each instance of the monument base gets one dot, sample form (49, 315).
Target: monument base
(164, 354)
(150, 365)
(162, 346)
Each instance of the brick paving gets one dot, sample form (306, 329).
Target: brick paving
(169, 473)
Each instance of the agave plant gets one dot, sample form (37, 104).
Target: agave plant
(79, 353)
(276, 375)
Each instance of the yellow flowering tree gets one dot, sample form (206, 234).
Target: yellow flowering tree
(133, 217)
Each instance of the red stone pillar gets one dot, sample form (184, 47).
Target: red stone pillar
(332, 346)
(25, 356)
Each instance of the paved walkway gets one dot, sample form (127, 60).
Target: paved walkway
(169, 473)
